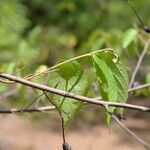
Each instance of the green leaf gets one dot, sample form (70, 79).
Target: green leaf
(70, 77)
(112, 79)
(128, 37)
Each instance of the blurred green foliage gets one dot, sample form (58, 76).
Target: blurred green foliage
(41, 32)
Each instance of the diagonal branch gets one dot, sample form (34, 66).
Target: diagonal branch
(71, 95)
(141, 141)
(30, 110)
(8, 93)
(118, 119)
(139, 87)
(138, 64)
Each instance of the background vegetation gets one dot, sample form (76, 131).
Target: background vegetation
(36, 34)
(41, 32)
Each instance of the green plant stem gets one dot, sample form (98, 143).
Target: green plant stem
(54, 68)
(72, 59)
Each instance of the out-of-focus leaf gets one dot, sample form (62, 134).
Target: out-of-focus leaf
(148, 78)
(34, 35)
(8, 67)
(67, 5)
(29, 53)
(128, 37)
(12, 22)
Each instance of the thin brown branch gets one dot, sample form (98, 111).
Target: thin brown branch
(136, 14)
(29, 110)
(32, 102)
(139, 87)
(72, 95)
(8, 93)
(141, 141)
(118, 118)
(133, 89)
(139, 64)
